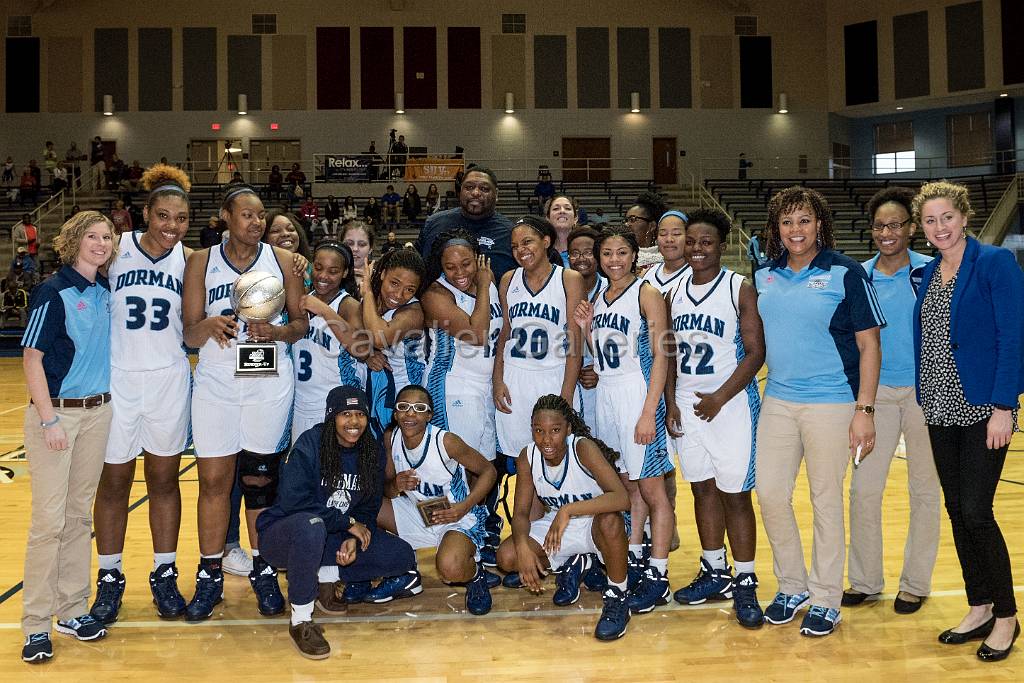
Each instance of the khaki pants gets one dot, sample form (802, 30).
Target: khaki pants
(896, 411)
(59, 550)
(787, 433)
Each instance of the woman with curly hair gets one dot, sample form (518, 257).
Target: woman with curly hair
(67, 370)
(821, 326)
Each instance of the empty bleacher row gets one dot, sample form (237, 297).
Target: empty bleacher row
(747, 202)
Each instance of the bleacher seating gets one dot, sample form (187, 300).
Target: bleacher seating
(747, 201)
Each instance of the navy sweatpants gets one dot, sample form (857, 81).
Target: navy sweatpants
(300, 543)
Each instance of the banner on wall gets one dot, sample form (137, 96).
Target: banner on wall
(346, 167)
(432, 169)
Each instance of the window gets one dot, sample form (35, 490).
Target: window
(264, 23)
(19, 27)
(894, 148)
(513, 23)
(840, 160)
(745, 26)
(969, 139)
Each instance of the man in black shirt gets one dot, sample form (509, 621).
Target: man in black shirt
(477, 199)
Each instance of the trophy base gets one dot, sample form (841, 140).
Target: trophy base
(255, 360)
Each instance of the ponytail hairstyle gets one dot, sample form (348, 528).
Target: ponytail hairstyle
(542, 227)
(348, 283)
(616, 231)
(162, 180)
(236, 191)
(455, 236)
(398, 258)
(576, 424)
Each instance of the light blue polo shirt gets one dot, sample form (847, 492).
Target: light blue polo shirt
(69, 321)
(897, 294)
(811, 318)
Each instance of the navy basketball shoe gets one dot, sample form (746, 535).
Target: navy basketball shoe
(568, 580)
(709, 584)
(209, 592)
(478, 593)
(109, 591)
(744, 601)
(614, 615)
(395, 587)
(652, 591)
(163, 583)
(263, 579)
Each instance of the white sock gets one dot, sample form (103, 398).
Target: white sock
(744, 567)
(716, 558)
(110, 561)
(637, 550)
(620, 586)
(212, 556)
(301, 613)
(255, 552)
(328, 574)
(660, 564)
(163, 558)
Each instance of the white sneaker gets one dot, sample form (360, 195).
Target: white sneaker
(237, 562)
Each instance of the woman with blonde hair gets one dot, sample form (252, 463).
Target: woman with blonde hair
(67, 371)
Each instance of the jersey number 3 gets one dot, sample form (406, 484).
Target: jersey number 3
(158, 313)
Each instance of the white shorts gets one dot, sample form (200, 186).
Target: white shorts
(412, 530)
(231, 414)
(620, 401)
(305, 418)
(588, 405)
(723, 449)
(524, 388)
(150, 412)
(466, 408)
(578, 538)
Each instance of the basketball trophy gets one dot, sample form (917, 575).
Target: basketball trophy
(257, 297)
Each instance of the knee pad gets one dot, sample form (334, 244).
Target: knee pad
(258, 496)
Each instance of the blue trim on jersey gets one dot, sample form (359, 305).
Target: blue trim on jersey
(142, 251)
(565, 467)
(259, 252)
(380, 388)
(413, 365)
(526, 282)
(656, 458)
(286, 437)
(35, 326)
(659, 271)
(423, 453)
(604, 294)
(710, 291)
(444, 356)
(754, 405)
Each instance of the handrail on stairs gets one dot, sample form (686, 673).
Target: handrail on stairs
(1002, 214)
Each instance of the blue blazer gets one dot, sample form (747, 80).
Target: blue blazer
(986, 328)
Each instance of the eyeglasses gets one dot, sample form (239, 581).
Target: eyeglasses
(636, 219)
(575, 253)
(895, 226)
(405, 406)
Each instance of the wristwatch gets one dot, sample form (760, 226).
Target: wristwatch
(867, 410)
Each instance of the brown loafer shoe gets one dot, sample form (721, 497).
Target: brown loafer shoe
(328, 602)
(308, 638)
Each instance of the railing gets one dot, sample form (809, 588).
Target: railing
(1004, 212)
(37, 217)
(812, 167)
(738, 237)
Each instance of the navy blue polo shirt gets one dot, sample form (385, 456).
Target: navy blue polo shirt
(811, 318)
(69, 321)
(494, 234)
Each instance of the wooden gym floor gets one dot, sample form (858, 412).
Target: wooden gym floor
(524, 638)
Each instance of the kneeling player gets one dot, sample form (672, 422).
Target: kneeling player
(572, 475)
(426, 479)
(323, 528)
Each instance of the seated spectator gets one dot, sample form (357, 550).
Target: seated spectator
(349, 210)
(134, 212)
(318, 230)
(134, 176)
(581, 217)
(432, 203)
(13, 304)
(542, 192)
(391, 201)
(210, 235)
(296, 179)
(275, 182)
(598, 219)
(22, 264)
(332, 210)
(372, 211)
(8, 173)
(60, 179)
(390, 244)
(412, 205)
(121, 218)
(28, 189)
(74, 209)
(309, 212)
(115, 172)
(236, 179)
(50, 158)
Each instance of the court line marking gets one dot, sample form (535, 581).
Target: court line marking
(11, 410)
(412, 617)
(15, 589)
